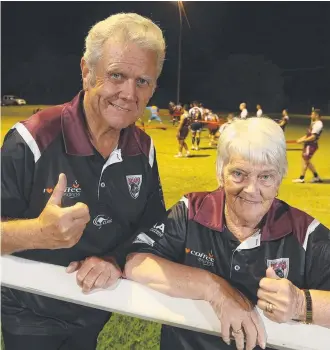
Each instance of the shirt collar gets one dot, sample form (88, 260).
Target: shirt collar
(74, 128)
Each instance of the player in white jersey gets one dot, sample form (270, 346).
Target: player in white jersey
(259, 111)
(310, 141)
(244, 112)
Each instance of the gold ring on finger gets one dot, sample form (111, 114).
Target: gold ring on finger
(270, 308)
(238, 331)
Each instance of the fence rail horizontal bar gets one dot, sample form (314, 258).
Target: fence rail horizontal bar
(133, 299)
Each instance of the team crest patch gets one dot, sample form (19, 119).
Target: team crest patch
(280, 266)
(134, 185)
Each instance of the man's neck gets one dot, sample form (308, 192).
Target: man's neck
(103, 138)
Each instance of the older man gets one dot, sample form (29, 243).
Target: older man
(78, 180)
(239, 246)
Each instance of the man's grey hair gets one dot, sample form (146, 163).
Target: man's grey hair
(257, 140)
(125, 28)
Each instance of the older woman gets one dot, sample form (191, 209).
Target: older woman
(239, 246)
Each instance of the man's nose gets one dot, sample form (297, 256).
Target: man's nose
(129, 90)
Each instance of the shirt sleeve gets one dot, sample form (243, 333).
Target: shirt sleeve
(166, 238)
(317, 265)
(317, 128)
(17, 169)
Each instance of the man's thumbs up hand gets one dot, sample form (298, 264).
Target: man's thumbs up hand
(56, 197)
(61, 227)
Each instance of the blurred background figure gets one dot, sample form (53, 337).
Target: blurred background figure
(183, 131)
(259, 111)
(285, 119)
(154, 114)
(244, 112)
(178, 110)
(310, 141)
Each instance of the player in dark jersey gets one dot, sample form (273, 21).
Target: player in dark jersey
(310, 141)
(171, 106)
(285, 119)
(183, 131)
(196, 126)
(177, 112)
(212, 126)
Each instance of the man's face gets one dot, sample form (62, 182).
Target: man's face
(250, 189)
(125, 80)
(241, 106)
(284, 112)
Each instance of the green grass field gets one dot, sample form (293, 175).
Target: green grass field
(197, 173)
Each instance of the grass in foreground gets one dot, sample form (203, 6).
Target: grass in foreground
(180, 176)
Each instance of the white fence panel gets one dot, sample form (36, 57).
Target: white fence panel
(133, 299)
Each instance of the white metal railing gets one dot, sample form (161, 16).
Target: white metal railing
(133, 299)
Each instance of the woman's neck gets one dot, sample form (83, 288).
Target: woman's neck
(240, 229)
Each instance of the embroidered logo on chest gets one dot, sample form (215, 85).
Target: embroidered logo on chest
(134, 183)
(280, 266)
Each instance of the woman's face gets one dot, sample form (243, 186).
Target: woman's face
(250, 189)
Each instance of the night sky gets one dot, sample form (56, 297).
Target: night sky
(42, 43)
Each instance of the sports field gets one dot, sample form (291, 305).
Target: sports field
(197, 173)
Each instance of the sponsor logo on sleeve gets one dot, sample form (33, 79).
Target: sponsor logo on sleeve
(158, 229)
(143, 238)
(134, 183)
(206, 259)
(280, 266)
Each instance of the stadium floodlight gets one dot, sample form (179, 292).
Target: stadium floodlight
(181, 11)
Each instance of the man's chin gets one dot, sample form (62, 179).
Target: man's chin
(118, 123)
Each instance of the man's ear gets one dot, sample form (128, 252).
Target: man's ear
(85, 73)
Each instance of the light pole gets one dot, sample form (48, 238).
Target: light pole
(179, 55)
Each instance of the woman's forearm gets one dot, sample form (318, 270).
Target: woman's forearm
(170, 278)
(321, 307)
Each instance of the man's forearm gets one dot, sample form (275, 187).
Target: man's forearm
(18, 235)
(170, 278)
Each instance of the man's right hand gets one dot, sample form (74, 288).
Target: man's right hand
(237, 315)
(61, 227)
